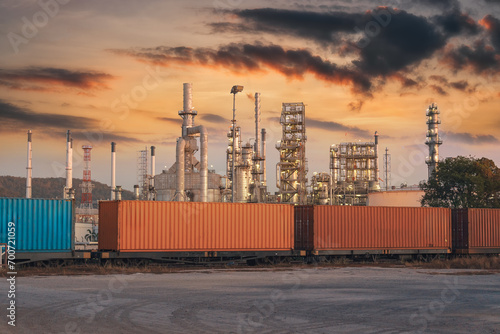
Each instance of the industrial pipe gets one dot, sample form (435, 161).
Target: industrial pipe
(376, 157)
(28, 168)
(179, 155)
(204, 159)
(152, 183)
(263, 150)
(113, 171)
(257, 125)
(69, 165)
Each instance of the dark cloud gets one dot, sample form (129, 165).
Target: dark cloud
(480, 58)
(405, 41)
(460, 85)
(213, 118)
(12, 116)
(336, 127)
(455, 22)
(53, 79)
(382, 41)
(355, 105)
(97, 136)
(170, 119)
(468, 138)
(294, 64)
(439, 90)
(311, 25)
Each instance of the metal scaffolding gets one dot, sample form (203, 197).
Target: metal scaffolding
(86, 204)
(320, 186)
(433, 140)
(292, 168)
(354, 169)
(142, 174)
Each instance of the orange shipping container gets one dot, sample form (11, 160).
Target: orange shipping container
(147, 226)
(476, 231)
(382, 229)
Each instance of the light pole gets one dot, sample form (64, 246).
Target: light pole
(234, 90)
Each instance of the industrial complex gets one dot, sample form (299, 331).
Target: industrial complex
(354, 166)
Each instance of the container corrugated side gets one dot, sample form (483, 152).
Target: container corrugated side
(484, 229)
(188, 226)
(108, 225)
(379, 228)
(41, 225)
(304, 227)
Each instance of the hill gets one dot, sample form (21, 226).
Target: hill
(52, 187)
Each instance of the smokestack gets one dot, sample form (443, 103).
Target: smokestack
(264, 178)
(136, 192)
(257, 125)
(118, 193)
(28, 168)
(153, 158)
(113, 170)
(376, 157)
(69, 165)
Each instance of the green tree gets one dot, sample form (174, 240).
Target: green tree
(463, 182)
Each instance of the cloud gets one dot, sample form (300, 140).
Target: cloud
(468, 138)
(243, 58)
(459, 85)
(49, 79)
(454, 23)
(213, 118)
(355, 105)
(336, 127)
(439, 90)
(17, 117)
(169, 119)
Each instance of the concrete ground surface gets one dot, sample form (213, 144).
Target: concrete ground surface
(315, 300)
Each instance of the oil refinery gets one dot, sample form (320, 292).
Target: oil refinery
(354, 166)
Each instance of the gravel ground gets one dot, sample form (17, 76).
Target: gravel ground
(316, 300)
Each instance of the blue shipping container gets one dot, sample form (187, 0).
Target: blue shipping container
(41, 225)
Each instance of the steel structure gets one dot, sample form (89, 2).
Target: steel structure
(387, 169)
(354, 170)
(142, 174)
(320, 188)
(28, 167)
(86, 204)
(292, 168)
(433, 140)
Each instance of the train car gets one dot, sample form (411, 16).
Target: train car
(476, 231)
(37, 229)
(187, 231)
(348, 230)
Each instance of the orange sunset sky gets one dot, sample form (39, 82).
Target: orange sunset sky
(113, 71)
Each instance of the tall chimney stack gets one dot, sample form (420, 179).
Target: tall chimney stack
(113, 171)
(28, 168)
(69, 165)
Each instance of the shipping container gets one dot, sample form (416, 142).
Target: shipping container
(150, 226)
(37, 225)
(476, 231)
(348, 230)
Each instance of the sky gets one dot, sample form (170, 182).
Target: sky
(113, 71)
